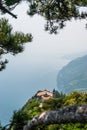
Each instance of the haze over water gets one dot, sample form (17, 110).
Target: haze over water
(37, 67)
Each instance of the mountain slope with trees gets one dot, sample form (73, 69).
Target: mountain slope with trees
(73, 76)
(34, 107)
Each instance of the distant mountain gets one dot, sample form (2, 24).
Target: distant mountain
(73, 76)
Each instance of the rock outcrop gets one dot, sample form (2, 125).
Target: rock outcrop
(69, 114)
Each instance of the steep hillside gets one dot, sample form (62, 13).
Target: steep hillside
(73, 76)
(34, 107)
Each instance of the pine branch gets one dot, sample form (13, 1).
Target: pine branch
(3, 9)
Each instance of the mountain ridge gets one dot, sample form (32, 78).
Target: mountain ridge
(73, 76)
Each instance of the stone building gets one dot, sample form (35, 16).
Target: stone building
(44, 95)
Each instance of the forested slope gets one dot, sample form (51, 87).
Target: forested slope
(73, 76)
(33, 107)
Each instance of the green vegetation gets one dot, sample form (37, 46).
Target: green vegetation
(55, 12)
(34, 107)
(18, 120)
(12, 43)
(73, 76)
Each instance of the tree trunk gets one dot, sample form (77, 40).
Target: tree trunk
(69, 114)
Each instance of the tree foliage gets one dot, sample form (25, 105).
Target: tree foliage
(19, 119)
(11, 42)
(57, 12)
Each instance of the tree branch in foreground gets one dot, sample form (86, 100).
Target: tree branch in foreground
(69, 114)
(3, 9)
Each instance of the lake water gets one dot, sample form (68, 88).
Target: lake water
(23, 77)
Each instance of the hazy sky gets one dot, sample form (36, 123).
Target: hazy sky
(37, 67)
